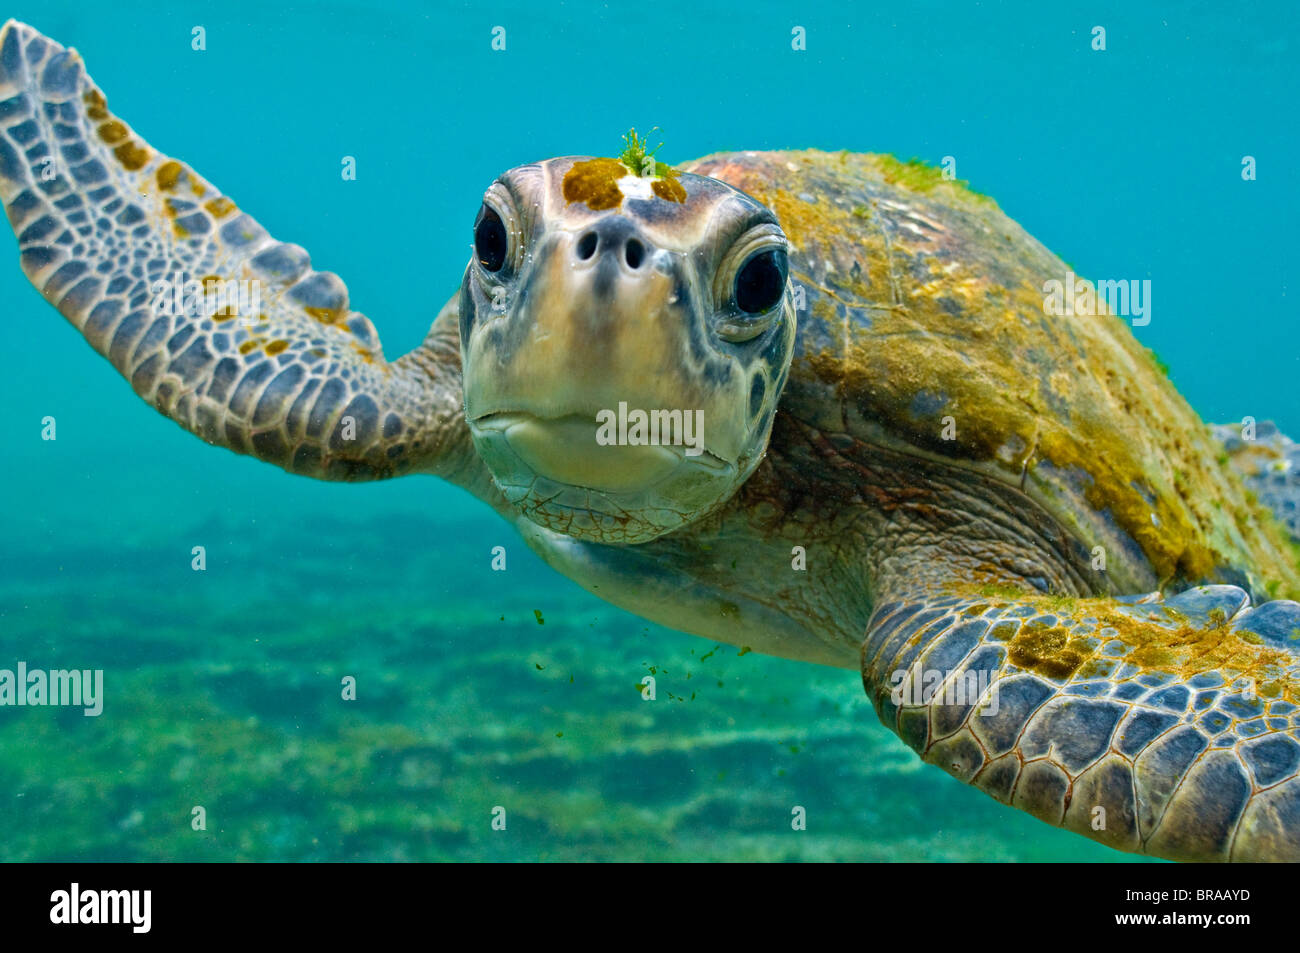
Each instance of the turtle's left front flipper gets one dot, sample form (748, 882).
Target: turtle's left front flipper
(1166, 727)
(220, 327)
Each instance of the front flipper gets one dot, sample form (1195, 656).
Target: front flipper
(1159, 726)
(220, 327)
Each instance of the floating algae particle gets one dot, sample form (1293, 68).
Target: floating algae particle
(540, 620)
(540, 667)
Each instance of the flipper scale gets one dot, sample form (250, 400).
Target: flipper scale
(220, 327)
(1169, 726)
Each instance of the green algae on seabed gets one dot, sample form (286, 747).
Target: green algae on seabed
(234, 705)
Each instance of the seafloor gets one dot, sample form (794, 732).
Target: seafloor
(223, 690)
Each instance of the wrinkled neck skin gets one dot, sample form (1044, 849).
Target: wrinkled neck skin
(865, 523)
(873, 524)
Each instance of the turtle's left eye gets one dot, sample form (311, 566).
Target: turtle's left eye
(490, 240)
(749, 283)
(760, 283)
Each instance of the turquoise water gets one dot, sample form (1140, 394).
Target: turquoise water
(222, 687)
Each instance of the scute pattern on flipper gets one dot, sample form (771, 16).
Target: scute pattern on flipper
(104, 221)
(1179, 716)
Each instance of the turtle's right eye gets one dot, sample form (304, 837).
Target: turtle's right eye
(490, 240)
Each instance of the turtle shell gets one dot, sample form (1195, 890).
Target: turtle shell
(923, 326)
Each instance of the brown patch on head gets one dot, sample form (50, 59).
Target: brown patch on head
(669, 188)
(595, 181)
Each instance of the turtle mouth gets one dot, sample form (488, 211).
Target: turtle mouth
(567, 451)
(559, 473)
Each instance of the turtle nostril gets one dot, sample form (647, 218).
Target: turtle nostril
(635, 253)
(587, 246)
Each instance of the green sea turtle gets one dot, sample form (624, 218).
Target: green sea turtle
(876, 448)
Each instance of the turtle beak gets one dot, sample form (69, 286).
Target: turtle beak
(582, 396)
(585, 451)
(604, 321)
(603, 389)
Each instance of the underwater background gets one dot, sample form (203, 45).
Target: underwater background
(478, 688)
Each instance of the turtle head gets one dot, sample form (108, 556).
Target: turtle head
(624, 341)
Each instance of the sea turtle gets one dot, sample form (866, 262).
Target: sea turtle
(878, 447)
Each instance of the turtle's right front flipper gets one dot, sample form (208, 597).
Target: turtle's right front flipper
(223, 329)
(1166, 727)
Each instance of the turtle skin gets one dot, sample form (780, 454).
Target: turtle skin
(923, 303)
(1164, 723)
